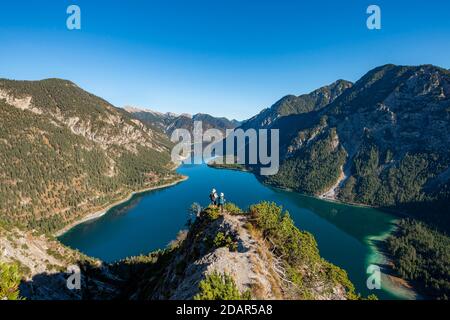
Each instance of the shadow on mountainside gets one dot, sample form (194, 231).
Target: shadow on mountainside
(119, 280)
(130, 278)
(96, 282)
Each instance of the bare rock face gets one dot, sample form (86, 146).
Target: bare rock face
(248, 265)
(402, 108)
(20, 103)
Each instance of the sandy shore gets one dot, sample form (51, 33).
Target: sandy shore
(99, 213)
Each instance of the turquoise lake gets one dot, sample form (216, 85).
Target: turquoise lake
(150, 220)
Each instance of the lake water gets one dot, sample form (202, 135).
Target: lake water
(151, 220)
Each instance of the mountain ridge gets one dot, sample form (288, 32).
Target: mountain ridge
(168, 122)
(304, 103)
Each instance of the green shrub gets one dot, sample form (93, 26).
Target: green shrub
(212, 213)
(218, 286)
(222, 240)
(297, 249)
(339, 276)
(232, 208)
(9, 281)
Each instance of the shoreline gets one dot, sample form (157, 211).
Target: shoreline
(226, 168)
(390, 282)
(319, 197)
(99, 213)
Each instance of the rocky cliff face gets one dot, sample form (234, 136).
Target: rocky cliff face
(405, 109)
(250, 265)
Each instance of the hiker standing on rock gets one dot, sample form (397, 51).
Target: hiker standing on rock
(221, 201)
(213, 197)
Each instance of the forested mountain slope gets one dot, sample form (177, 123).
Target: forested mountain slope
(385, 142)
(65, 152)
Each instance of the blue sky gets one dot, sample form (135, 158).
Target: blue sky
(224, 57)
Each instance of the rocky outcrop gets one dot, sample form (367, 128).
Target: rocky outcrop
(23, 103)
(250, 265)
(250, 260)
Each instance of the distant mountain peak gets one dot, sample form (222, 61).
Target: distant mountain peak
(168, 122)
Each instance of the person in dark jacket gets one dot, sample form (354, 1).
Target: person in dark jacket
(213, 197)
